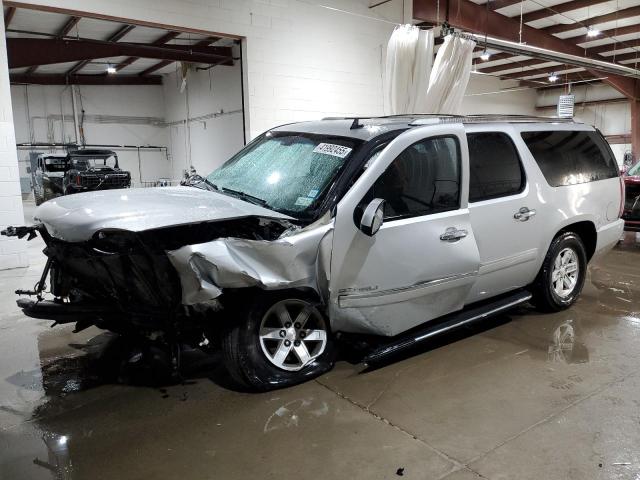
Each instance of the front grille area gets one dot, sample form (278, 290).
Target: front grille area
(632, 202)
(109, 181)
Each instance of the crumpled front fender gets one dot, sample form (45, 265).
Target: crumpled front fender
(299, 260)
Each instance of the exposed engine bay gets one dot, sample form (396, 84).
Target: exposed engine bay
(167, 280)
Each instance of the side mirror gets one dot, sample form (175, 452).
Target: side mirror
(372, 217)
(28, 169)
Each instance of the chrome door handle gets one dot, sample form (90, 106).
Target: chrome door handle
(524, 214)
(452, 234)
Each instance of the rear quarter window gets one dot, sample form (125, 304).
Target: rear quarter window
(571, 157)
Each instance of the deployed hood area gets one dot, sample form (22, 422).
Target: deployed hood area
(76, 218)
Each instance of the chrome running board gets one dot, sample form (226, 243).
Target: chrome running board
(447, 323)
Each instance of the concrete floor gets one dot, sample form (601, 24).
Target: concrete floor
(524, 396)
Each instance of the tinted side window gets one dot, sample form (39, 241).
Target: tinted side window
(423, 179)
(569, 158)
(494, 166)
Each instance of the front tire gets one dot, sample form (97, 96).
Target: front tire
(562, 275)
(276, 341)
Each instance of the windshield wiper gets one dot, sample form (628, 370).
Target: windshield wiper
(246, 197)
(212, 185)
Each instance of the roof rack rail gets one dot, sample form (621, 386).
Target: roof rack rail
(433, 118)
(489, 118)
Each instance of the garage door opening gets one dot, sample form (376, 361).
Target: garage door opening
(89, 92)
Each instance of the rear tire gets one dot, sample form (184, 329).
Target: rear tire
(265, 348)
(562, 275)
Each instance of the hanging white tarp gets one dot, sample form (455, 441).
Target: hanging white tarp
(408, 66)
(450, 75)
(416, 84)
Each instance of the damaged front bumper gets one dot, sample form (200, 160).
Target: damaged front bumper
(172, 279)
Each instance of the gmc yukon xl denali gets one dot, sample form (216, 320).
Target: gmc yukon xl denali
(385, 230)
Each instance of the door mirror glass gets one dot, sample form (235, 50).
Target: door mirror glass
(372, 217)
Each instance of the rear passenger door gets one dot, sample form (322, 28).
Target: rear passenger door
(504, 213)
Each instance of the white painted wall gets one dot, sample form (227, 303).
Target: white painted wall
(487, 94)
(12, 251)
(46, 104)
(204, 142)
(303, 61)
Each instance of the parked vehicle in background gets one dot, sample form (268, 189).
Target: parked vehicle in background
(47, 176)
(384, 230)
(93, 169)
(631, 214)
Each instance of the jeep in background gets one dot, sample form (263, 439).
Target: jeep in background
(47, 176)
(94, 170)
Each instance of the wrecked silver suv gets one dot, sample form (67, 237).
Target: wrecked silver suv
(378, 232)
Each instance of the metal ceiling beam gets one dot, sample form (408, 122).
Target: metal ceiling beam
(512, 65)
(498, 4)
(66, 28)
(202, 43)
(167, 37)
(612, 47)
(63, 79)
(8, 16)
(609, 17)
(558, 69)
(611, 32)
(471, 17)
(561, 8)
(114, 37)
(24, 52)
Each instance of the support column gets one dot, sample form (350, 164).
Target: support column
(12, 251)
(635, 128)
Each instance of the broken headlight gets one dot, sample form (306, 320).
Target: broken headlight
(114, 241)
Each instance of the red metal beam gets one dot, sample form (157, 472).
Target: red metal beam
(24, 52)
(635, 128)
(201, 43)
(63, 79)
(498, 4)
(612, 32)
(121, 32)
(611, 47)
(8, 16)
(67, 27)
(561, 8)
(474, 18)
(609, 17)
(557, 69)
(160, 41)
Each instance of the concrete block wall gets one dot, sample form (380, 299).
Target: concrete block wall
(303, 61)
(12, 251)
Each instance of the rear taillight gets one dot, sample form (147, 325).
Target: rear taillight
(78, 180)
(622, 195)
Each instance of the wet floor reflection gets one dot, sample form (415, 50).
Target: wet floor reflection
(63, 405)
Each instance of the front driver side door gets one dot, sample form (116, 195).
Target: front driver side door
(406, 274)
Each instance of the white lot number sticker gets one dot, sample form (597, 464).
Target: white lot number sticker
(332, 149)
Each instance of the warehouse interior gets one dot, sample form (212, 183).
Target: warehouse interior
(171, 90)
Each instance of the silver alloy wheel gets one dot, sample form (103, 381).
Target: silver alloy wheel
(564, 275)
(292, 334)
